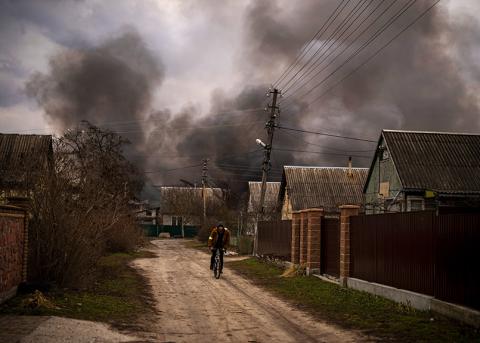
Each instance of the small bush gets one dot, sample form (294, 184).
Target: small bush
(124, 236)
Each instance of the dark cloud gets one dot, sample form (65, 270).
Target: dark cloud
(416, 83)
(109, 85)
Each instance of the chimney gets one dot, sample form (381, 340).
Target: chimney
(350, 166)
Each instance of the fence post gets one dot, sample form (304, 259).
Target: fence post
(313, 240)
(295, 246)
(346, 211)
(302, 250)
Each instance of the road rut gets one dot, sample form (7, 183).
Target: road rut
(192, 306)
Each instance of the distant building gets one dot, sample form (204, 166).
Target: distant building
(415, 171)
(320, 187)
(144, 213)
(184, 205)
(23, 158)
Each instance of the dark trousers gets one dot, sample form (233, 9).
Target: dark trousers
(212, 260)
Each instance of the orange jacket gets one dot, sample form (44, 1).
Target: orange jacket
(212, 240)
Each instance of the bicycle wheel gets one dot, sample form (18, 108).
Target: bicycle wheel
(216, 266)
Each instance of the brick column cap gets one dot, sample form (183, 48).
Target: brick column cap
(348, 207)
(316, 209)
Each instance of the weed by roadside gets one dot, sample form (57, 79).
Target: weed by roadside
(117, 294)
(352, 309)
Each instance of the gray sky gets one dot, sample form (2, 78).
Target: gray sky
(212, 56)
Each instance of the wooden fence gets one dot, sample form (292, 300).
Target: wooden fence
(421, 252)
(275, 238)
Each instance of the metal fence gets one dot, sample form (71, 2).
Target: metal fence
(421, 252)
(152, 230)
(275, 238)
(330, 247)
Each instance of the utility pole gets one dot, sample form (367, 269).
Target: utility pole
(204, 185)
(270, 126)
(268, 148)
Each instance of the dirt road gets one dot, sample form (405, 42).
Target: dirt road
(195, 307)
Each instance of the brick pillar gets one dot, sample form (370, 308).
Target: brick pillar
(303, 238)
(313, 240)
(295, 256)
(346, 211)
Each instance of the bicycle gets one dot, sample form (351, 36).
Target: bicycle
(216, 265)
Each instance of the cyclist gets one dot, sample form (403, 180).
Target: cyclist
(219, 239)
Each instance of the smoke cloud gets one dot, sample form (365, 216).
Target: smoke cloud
(426, 80)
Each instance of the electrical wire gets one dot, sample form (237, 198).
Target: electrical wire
(352, 42)
(330, 38)
(362, 47)
(170, 170)
(323, 145)
(103, 123)
(325, 134)
(306, 48)
(321, 153)
(376, 53)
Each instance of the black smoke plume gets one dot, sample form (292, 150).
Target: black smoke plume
(427, 79)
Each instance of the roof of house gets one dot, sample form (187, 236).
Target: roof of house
(17, 151)
(447, 163)
(170, 196)
(271, 196)
(327, 187)
(14, 148)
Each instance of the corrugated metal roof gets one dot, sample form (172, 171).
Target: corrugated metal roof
(441, 162)
(271, 196)
(327, 187)
(170, 195)
(18, 150)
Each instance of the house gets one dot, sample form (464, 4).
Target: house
(415, 170)
(271, 197)
(320, 187)
(144, 213)
(184, 205)
(23, 158)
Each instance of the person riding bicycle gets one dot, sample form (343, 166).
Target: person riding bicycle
(219, 240)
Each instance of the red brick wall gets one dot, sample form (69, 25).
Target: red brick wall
(12, 250)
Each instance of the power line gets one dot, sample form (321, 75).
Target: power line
(323, 146)
(170, 170)
(322, 153)
(330, 38)
(353, 41)
(138, 120)
(376, 53)
(361, 48)
(306, 48)
(325, 134)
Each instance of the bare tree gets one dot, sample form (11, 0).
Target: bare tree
(81, 209)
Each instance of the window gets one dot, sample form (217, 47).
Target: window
(415, 204)
(176, 221)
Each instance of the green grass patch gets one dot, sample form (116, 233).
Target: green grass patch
(353, 309)
(117, 294)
